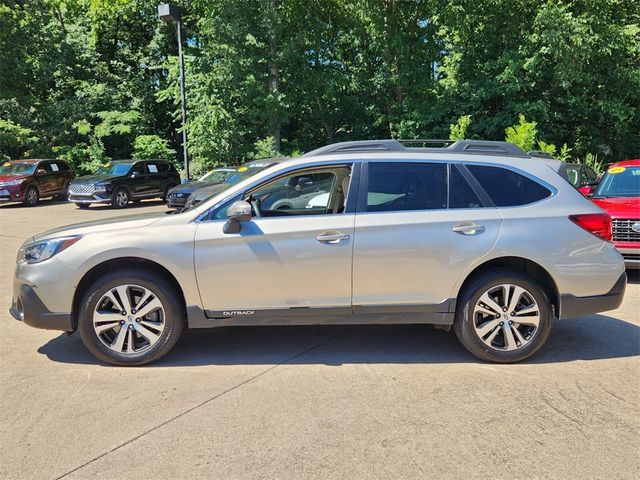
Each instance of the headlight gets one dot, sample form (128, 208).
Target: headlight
(11, 183)
(100, 188)
(40, 251)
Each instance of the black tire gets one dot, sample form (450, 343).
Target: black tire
(120, 198)
(464, 321)
(82, 206)
(31, 197)
(174, 317)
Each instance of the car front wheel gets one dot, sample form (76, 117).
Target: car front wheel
(31, 197)
(120, 198)
(130, 318)
(503, 317)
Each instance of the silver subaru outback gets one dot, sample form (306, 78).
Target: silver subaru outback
(475, 235)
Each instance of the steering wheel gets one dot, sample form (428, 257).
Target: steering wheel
(256, 205)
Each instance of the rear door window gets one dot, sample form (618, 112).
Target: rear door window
(508, 188)
(406, 186)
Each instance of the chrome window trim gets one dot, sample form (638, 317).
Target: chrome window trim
(312, 165)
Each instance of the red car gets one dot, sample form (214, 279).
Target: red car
(618, 194)
(28, 181)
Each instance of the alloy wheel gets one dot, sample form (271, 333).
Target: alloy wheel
(32, 196)
(129, 319)
(122, 198)
(506, 317)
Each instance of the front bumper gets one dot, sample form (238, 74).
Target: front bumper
(28, 308)
(97, 198)
(631, 256)
(174, 201)
(13, 193)
(572, 306)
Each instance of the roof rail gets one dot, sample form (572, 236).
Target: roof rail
(540, 154)
(477, 147)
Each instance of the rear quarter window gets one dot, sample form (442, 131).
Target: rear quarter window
(507, 188)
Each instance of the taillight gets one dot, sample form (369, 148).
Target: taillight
(599, 224)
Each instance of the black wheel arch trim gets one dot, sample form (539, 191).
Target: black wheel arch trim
(572, 306)
(29, 309)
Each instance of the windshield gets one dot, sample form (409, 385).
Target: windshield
(17, 168)
(114, 169)
(216, 176)
(244, 172)
(620, 182)
(247, 171)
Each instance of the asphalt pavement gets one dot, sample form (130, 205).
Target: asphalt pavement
(313, 402)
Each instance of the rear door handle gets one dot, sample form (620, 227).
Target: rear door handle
(332, 237)
(468, 228)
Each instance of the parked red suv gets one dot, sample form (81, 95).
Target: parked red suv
(28, 181)
(618, 194)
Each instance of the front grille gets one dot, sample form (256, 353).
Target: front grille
(81, 188)
(632, 256)
(622, 231)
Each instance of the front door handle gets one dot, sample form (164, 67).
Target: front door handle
(332, 237)
(468, 228)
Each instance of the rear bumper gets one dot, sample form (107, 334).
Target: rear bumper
(572, 306)
(29, 309)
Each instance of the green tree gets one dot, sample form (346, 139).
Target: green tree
(152, 146)
(523, 134)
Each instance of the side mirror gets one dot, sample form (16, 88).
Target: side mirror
(134, 174)
(237, 213)
(41, 171)
(588, 188)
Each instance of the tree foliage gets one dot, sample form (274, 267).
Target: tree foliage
(89, 80)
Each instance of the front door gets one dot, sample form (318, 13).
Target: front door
(290, 259)
(139, 180)
(46, 178)
(419, 226)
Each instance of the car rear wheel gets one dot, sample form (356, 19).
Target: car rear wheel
(130, 318)
(503, 317)
(120, 198)
(31, 197)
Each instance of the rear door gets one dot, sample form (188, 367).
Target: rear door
(157, 172)
(418, 226)
(59, 177)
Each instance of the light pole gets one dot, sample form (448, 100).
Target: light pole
(171, 13)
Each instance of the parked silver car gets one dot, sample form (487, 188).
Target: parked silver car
(475, 235)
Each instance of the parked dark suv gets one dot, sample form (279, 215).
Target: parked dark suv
(27, 181)
(122, 181)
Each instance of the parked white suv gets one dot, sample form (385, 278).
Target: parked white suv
(475, 235)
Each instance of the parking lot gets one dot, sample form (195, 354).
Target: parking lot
(314, 402)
